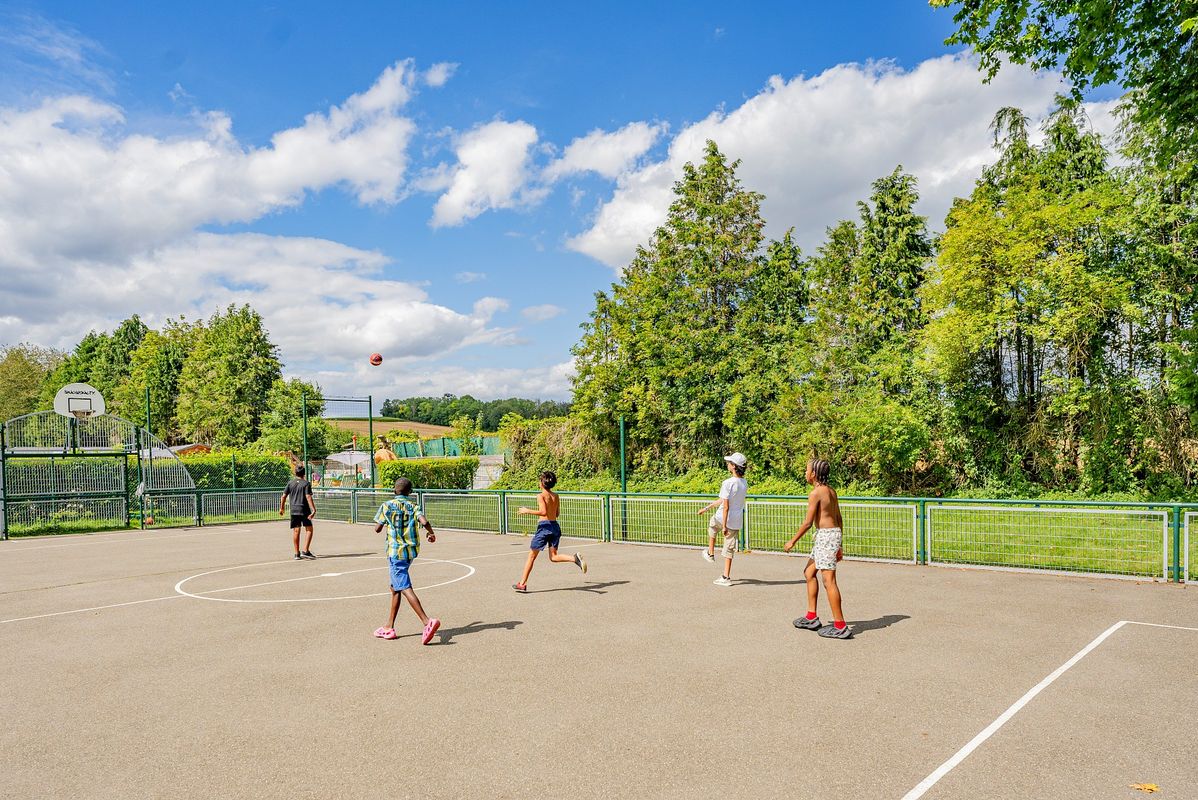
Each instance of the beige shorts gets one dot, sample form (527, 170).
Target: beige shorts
(731, 539)
(827, 545)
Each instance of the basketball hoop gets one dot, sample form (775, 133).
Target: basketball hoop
(80, 414)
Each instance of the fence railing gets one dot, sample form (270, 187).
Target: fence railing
(1130, 540)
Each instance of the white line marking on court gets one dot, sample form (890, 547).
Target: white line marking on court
(288, 561)
(1158, 625)
(179, 586)
(93, 608)
(963, 753)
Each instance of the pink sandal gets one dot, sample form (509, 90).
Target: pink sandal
(430, 629)
(385, 633)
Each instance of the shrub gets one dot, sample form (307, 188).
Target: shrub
(430, 473)
(254, 470)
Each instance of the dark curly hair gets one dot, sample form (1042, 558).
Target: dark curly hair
(819, 470)
(548, 479)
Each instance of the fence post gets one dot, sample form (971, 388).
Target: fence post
(502, 511)
(1177, 576)
(4, 484)
(921, 547)
(199, 516)
(606, 517)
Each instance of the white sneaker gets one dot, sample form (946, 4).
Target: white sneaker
(722, 581)
(708, 557)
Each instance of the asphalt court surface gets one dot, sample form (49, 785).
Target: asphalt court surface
(207, 663)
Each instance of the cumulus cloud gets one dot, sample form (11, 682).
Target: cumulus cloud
(470, 277)
(439, 74)
(607, 154)
(493, 171)
(542, 313)
(79, 184)
(321, 300)
(814, 145)
(98, 222)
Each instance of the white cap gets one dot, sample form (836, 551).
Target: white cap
(738, 459)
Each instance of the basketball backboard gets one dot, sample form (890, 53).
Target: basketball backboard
(79, 400)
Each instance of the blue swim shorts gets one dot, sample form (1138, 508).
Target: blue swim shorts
(399, 574)
(549, 534)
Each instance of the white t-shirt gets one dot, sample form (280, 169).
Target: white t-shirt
(733, 490)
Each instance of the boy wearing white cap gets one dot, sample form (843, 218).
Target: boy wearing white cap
(730, 516)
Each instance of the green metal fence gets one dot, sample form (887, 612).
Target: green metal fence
(1128, 540)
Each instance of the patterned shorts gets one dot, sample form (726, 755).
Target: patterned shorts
(827, 545)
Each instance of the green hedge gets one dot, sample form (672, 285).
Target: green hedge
(254, 470)
(430, 473)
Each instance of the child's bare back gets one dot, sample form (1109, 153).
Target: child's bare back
(551, 505)
(827, 507)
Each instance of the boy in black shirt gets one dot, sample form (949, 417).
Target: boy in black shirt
(303, 509)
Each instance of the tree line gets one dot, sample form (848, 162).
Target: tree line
(1045, 341)
(217, 381)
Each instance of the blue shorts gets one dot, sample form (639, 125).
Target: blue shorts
(399, 574)
(549, 534)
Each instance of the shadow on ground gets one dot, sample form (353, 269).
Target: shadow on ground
(593, 588)
(877, 624)
(319, 556)
(447, 635)
(756, 582)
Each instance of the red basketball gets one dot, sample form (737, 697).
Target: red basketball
(376, 359)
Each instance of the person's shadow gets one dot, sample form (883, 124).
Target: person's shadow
(877, 624)
(593, 588)
(756, 582)
(447, 635)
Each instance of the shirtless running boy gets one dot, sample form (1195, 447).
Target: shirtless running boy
(823, 510)
(549, 533)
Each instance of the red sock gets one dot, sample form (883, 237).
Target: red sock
(810, 615)
(839, 624)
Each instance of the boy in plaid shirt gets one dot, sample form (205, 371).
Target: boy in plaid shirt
(400, 517)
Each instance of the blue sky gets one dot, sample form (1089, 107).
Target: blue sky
(447, 184)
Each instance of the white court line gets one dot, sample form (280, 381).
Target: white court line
(1158, 625)
(93, 608)
(930, 781)
(174, 596)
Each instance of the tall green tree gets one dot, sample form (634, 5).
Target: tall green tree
(100, 359)
(671, 343)
(1147, 46)
(23, 370)
(1031, 291)
(283, 423)
(226, 380)
(157, 365)
(860, 400)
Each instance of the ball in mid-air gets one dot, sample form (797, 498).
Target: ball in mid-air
(376, 359)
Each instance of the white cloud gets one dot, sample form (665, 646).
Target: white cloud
(814, 145)
(492, 172)
(98, 222)
(322, 301)
(608, 154)
(78, 184)
(439, 74)
(51, 54)
(542, 313)
(486, 383)
(470, 277)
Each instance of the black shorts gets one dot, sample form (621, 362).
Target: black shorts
(301, 521)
